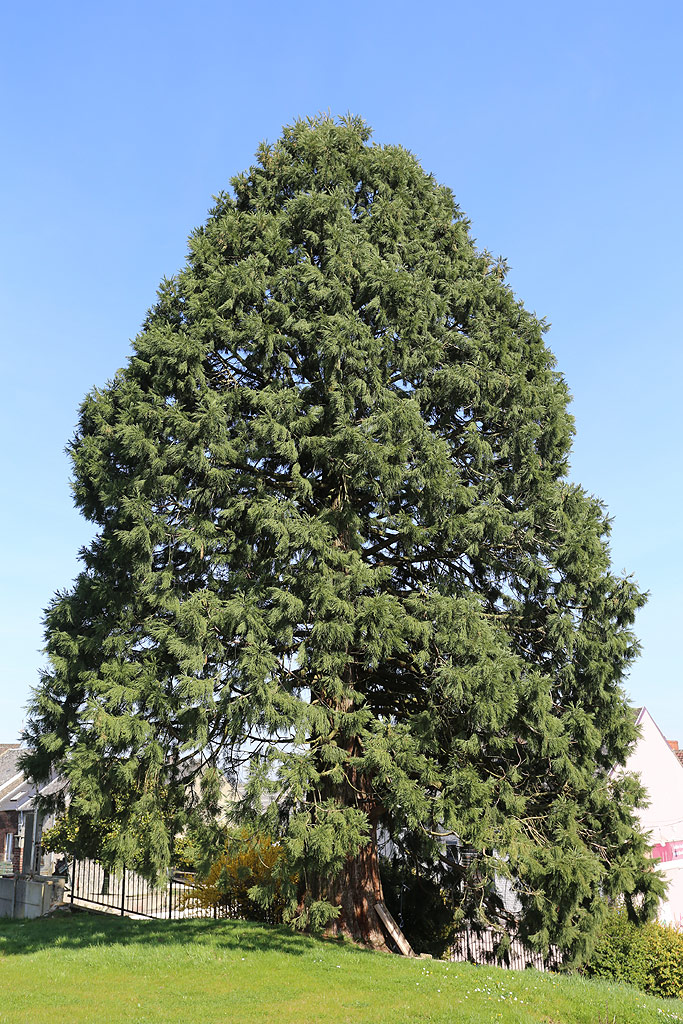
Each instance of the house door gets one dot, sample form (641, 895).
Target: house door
(27, 857)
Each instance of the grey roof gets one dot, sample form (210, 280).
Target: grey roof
(9, 769)
(16, 792)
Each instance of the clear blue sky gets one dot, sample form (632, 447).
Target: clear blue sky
(559, 128)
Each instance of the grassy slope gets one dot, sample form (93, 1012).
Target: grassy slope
(108, 970)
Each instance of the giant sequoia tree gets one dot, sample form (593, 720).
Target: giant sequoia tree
(337, 546)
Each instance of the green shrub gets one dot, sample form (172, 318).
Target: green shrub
(649, 956)
(657, 960)
(610, 958)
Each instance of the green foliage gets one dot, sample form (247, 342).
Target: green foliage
(187, 854)
(649, 956)
(336, 542)
(658, 960)
(610, 956)
(80, 835)
(77, 837)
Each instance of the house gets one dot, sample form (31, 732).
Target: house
(659, 763)
(21, 824)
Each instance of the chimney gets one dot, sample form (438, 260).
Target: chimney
(673, 744)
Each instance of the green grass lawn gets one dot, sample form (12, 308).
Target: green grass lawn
(88, 968)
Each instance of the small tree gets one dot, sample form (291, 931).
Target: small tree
(337, 545)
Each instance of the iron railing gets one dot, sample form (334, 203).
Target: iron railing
(130, 895)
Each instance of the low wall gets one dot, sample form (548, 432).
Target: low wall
(29, 897)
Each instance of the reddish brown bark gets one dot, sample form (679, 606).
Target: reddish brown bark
(359, 886)
(357, 892)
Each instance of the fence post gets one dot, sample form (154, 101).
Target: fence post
(170, 897)
(123, 892)
(73, 880)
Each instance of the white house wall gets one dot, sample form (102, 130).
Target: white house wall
(662, 775)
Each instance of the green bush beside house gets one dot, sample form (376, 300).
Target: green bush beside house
(649, 956)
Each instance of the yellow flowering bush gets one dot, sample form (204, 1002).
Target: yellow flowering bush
(247, 861)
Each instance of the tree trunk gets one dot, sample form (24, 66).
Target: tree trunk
(359, 886)
(357, 891)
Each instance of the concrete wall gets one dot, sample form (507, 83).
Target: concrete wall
(29, 897)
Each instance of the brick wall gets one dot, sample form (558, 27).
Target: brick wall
(9, 822)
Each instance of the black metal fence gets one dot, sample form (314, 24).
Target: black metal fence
(130, 895)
